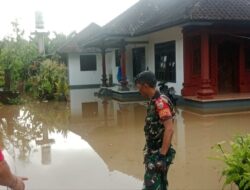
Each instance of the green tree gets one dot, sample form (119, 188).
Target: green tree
(15, 55)
(21, 65)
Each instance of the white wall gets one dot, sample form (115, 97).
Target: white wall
(78, 77)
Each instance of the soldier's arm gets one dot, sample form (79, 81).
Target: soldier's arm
(165, 116)
(167, 138)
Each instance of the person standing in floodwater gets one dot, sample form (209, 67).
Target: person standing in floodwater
(158, 151)
(7, 178)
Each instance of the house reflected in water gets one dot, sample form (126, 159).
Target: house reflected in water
(94, 111)
(111, 128)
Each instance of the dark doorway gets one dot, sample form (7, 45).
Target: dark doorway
(228, 59)
(138, 60)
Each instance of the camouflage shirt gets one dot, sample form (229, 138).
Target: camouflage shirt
(159, 109)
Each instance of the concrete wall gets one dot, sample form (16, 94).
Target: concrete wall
(78, 77)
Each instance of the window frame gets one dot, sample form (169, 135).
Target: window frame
(165, 61)
(88, 66)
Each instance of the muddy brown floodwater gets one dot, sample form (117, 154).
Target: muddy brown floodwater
(93, 143)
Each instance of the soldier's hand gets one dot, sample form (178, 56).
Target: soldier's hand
(161, 165)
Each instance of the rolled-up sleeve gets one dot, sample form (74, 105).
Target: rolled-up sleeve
(163, 109)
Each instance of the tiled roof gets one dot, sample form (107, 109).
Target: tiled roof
(226, 10)
(151, 15)
(73, 46)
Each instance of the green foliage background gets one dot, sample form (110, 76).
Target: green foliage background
(43, 76)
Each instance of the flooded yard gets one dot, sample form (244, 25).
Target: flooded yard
(93, 143)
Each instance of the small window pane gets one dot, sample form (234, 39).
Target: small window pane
(88, 62)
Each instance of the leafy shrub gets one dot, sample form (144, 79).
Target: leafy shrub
(237, 162)
(50, 82)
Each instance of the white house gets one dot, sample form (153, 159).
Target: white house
(199, 47)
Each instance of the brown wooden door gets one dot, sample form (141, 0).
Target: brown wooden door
(228, 59)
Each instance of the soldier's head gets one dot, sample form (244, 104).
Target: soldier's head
(145, 83)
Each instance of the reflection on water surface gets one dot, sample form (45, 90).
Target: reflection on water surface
(93, 143)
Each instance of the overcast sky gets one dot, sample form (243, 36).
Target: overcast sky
(62, 16)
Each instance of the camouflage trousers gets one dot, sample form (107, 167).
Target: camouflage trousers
(156, 180)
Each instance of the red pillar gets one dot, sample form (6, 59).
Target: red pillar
(104, 76)
(205, 90)
(123, 67)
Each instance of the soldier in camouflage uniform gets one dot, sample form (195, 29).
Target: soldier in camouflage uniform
(158, 151)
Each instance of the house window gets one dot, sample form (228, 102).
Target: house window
(117, 58)
(196, 58)
(165, 62)
(247, 57)
(88, 62)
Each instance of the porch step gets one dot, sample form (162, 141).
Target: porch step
(220, 103)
